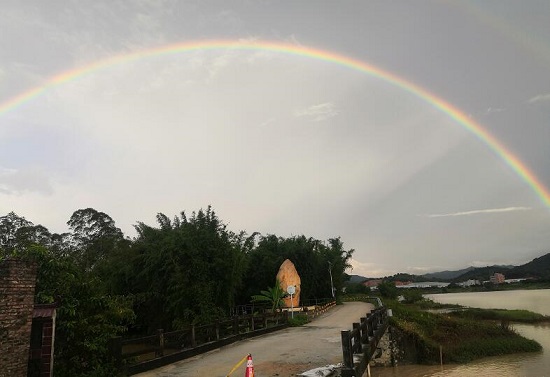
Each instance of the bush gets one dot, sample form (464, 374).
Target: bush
(298, 320)
(412, 295)
(387, 289)
(462, 339)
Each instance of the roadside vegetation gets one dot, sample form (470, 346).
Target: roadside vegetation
(461, 339)
(183, 271)
(503, 315)
(462, 335)
(299, 319)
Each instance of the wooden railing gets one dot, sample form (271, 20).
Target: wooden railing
(145, 353)
(360, 344)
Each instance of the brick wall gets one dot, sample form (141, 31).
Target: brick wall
(17, 283)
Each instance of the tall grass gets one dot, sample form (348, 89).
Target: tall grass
(462, 339)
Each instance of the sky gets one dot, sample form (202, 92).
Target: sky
(99, 108)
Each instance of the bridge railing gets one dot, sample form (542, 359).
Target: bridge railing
(140, 354)
(145, 353)
(360, 344)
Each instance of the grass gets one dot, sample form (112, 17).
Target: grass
(298, 320)
(462, 339)
(523, 316)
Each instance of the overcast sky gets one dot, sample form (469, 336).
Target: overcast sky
(285, 144)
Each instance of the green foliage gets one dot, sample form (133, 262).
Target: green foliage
(274, 296)
(87, 318)
(94, 237)
(412, 295)
(461, 339)
(388, 290)
(299, 319)
(312, 259)
(524, 316)
(356, 288)
(188, 270)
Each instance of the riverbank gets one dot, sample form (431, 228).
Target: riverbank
(430, 338)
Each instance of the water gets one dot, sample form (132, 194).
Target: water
(517, 365)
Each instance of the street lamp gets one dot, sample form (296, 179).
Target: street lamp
(331, 284)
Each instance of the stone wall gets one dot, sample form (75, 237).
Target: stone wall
(386, 349)
(17, 284)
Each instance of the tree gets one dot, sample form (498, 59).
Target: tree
(87, 318)
(188, 270)
(352, 288)
(412, 295)
(17, 233)
(94, 236)
(387, 289)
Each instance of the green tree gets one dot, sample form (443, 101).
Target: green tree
(87, 318)
(352, 288)
(188, 270)
(387, 289)
(412, 295)
(94, 236)
(17, 233)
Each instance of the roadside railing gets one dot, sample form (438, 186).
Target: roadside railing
(145, 353)
(140, 354)
(360, 344)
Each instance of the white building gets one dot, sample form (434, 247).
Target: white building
(469, 283)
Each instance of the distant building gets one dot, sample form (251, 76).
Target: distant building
(497, 278)
(469, 283)
(515, 280)
(425, 284)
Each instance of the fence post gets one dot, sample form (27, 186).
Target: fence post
(116, 350)
(160, 334)
(193, 338)
(218, 329)
(348, 369)
(364, 330)
(236, 325)
(370, 325)
(357, 337)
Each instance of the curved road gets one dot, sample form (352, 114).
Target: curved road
(282, 353)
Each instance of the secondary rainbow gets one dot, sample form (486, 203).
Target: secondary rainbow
(495, 145)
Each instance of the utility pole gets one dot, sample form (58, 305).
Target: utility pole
(331, 284)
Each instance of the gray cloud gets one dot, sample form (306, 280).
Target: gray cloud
(13, 181)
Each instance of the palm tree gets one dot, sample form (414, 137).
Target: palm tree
(274, 296)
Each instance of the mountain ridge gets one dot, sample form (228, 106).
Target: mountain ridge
(538, 268)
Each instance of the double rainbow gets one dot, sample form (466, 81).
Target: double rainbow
(457, 115)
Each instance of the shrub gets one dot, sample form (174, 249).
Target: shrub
(298, 320)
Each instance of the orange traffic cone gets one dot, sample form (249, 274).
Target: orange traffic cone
(249, 367)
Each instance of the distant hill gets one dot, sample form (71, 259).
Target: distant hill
(448, 275)
(537, 268)
(483, 273)
(356, 279)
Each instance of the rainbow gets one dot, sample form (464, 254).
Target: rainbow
(279, 47)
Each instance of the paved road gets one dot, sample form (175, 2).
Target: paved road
(283, 353)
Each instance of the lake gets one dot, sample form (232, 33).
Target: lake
(524, 365)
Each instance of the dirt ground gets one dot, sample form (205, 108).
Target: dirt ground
(282, 353)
